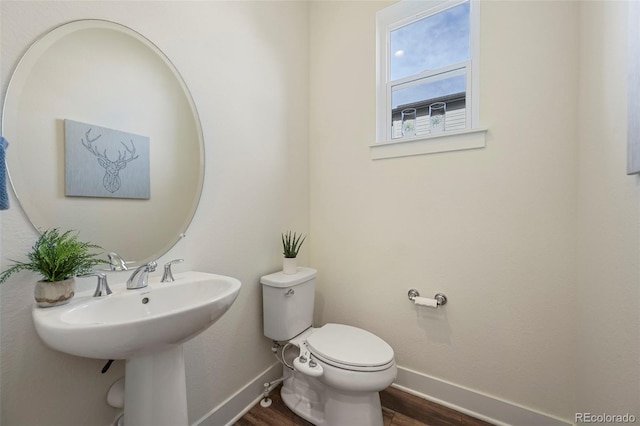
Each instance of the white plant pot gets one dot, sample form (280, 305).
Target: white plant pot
(289, 265)
(57, 293)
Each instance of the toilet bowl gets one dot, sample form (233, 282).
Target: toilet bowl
(352, 366)
(339, 370)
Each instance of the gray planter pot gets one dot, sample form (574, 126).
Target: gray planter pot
(57, 293)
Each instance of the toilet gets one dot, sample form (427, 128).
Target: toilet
(336, 377)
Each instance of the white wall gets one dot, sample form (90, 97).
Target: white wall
(608, 284)
(535, 239)
(526, 237)
(236, 57)
(493, 228)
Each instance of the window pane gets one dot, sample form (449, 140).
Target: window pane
(430, 43)
(425, 93)
(428, 91)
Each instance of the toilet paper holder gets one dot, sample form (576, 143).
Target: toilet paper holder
(441, 299)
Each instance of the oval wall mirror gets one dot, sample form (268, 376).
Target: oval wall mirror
(104, 139)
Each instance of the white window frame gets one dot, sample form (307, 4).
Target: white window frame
(398, 15)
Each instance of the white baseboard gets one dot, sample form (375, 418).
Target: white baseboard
(473, 403)
(467, 401)
(238, 404)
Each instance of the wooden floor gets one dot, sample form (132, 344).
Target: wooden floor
(398, 409)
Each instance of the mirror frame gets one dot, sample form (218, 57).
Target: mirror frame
(37, 49)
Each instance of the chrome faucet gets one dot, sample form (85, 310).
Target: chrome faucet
(115, 262)
(140, 277)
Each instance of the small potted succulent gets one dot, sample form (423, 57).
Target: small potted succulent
(58, 257)
(291, 244)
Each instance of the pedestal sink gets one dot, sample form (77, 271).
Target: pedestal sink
(147, 328)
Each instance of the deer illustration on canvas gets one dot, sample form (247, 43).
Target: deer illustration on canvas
(111, 180)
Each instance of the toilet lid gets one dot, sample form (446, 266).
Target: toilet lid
(349, 346)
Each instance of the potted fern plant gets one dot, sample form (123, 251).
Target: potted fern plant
(291, 244)
(58, 258)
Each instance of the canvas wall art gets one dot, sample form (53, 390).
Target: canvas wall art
(103, 162)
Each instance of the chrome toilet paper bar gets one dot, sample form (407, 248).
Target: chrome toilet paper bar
(438, 300)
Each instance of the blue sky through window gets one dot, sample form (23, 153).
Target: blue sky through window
(433, 42)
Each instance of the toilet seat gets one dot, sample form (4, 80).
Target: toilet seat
(350, 348)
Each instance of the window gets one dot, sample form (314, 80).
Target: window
(427, 73)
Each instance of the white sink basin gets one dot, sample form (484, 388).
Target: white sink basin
(147, 328)
(131, 322)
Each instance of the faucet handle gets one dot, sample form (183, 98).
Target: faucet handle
(102, 289)
(167, 276)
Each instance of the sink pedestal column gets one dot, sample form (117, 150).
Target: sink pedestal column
(155, 389)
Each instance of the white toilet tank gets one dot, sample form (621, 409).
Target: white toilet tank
(287, 303)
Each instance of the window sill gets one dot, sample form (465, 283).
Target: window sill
(452, 141)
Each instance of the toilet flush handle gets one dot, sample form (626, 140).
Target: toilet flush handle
(290, 293)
